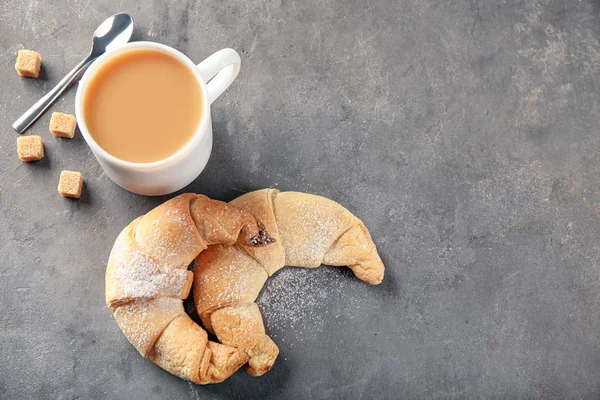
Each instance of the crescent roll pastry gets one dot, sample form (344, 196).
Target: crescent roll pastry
(147, 274)
(147, 278)
(309, 230)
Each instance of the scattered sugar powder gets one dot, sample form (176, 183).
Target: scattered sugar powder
(139, 276)
(317, 223)
(143, 320)
(300, 301)
(173, 238)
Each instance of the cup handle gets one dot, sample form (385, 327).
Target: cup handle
(219, 70)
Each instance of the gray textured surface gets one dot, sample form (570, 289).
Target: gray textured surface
(464, 134)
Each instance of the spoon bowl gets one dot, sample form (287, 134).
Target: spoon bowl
(112, 33)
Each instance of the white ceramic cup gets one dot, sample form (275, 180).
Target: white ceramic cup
(214, 75)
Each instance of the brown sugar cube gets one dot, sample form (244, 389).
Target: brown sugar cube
(63, 125)
(28, 63)
(70, 184)
(30, 148)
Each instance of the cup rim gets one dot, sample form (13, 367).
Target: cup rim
(184, 151)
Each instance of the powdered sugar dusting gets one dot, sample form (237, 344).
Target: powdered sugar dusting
(245, 278)
(171, 237)
(143, 321)
(140, 276)
(240, 323)
(302, 300)
(308, 226)
(133, 325)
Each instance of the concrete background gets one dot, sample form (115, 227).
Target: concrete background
(463, 133)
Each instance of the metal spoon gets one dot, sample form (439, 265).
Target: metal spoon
(112, 33)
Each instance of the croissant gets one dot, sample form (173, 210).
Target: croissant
(147, 277)
(309, 230)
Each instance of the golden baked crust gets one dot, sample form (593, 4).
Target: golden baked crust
(147, 277)
(309, 231)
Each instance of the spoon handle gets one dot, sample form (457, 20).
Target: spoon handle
(42, 104)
